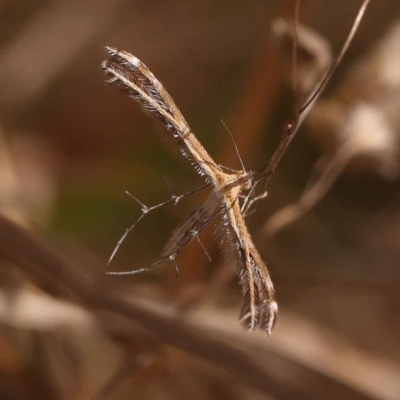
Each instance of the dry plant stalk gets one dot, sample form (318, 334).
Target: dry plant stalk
(361, 121)
(120, 319)
(259, 305)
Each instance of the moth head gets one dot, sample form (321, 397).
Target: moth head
(246, 178)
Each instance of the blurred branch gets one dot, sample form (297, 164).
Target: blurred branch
(366, 113)
(25, 309)
(314, 54)
(51, 270)
(10, 184)
(64, 364)
(27, 185)
(129, 365)
(316, 189)
(62, 30)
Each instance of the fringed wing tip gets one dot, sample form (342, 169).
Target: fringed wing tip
(271, 318)
(110, 50)
(123, 57)
(259, 308)
(108, 71)
(263, 317)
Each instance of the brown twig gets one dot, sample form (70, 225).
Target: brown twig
(49, 269)
(291, 127)
(316, 189)
(62, 29)
(130, 364)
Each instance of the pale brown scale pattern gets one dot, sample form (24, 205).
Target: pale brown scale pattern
(259, 306)
(192, 224)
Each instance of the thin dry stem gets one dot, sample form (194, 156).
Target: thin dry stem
(291, 127)
(61, 30)
(129, 365)
(338, 60)
(316, 189)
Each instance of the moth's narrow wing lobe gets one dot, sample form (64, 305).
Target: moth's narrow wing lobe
(130, 74)
(259, 308)
(192, 224)
(148, 83)
(127, 81)
(151, 84)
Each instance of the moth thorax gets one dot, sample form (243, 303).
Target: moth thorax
(247, 185)
(247, 181)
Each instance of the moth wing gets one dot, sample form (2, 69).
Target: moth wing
(132, 76)
(192, 224)
(259, 307)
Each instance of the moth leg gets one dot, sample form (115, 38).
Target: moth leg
(227, 168)
(259, 197)
(145, 210)
(189, 225)
(204, 248)
(176, 267)
(175, 254)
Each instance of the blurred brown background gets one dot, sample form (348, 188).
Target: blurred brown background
(70, 147)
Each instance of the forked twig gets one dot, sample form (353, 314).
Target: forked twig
(291, 127)
(315, 190)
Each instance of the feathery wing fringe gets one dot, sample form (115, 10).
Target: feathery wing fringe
(133, 77)
(192, 224)
(259, 306)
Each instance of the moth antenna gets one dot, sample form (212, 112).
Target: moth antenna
(227, 168)
(244, 207)
(234, 143)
